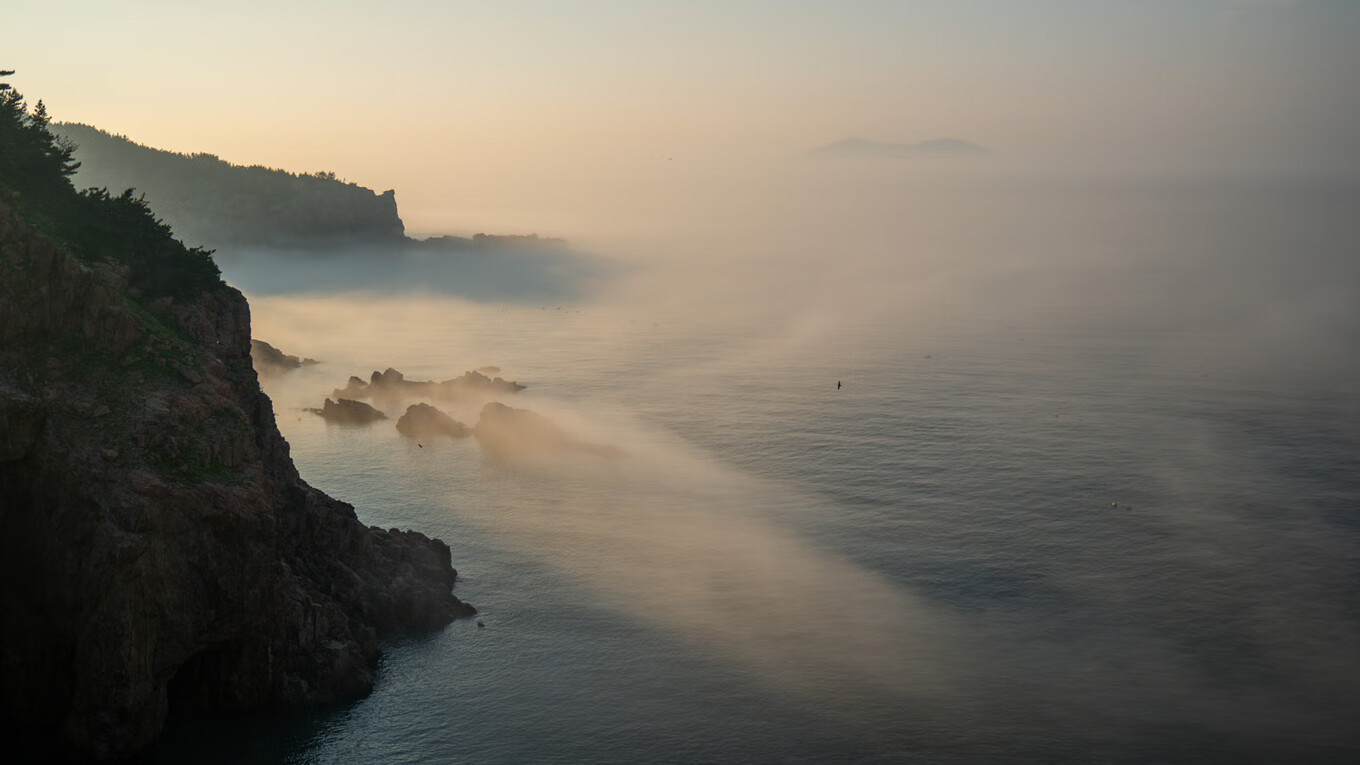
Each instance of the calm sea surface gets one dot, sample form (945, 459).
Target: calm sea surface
(999, 540)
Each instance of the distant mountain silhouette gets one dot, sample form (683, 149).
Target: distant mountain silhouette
(207, 200)
(860, 147)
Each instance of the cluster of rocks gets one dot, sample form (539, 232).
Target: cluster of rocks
(392, 384)
(500, 429)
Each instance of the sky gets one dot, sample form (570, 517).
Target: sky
(470, 108)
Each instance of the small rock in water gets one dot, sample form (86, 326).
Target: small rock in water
(348, 411)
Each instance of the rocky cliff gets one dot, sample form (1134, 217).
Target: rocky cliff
(158, 549)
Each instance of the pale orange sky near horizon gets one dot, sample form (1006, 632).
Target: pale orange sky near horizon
(471, 109)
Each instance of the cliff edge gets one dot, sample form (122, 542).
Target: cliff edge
(158, 549)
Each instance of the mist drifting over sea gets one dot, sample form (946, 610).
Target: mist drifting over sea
(1085, 489)
(1019, 422)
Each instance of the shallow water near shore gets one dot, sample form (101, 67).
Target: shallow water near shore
(896, 534)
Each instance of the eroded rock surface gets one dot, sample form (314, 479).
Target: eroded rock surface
(157, 546)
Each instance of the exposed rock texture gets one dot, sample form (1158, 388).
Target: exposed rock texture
(425, 421)
(157, 547)
(348, 412)
(392, 384)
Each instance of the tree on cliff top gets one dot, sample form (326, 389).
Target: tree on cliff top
(33, 161)
(36, 168)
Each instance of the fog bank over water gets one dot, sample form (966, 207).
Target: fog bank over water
(1264, 258)
(1089, 430)
(1222, 274)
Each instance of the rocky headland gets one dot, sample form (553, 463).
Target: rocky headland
(217, 203)
(208, 200)
(158, 549)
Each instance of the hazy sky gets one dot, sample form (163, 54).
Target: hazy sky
(455, 102)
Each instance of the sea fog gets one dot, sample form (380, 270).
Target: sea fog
(1260, 253)
(953, 461)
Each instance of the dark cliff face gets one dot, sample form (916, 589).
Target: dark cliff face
(157, 547)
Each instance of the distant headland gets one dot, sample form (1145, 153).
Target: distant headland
(209, 201)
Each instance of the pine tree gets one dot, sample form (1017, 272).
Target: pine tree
(35, 178)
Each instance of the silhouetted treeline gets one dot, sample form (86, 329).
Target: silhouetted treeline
(209, 200)
(36, 167)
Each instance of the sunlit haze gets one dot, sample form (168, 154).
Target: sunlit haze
(548, 115)
(888, 381)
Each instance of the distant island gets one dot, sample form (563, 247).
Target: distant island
(860, 147)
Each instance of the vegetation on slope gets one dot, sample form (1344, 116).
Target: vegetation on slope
(35, 175)
(214, 201)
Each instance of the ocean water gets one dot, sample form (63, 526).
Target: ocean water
(1020, 532)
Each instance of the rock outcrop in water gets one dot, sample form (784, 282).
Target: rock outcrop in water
(348, 412)
(270, 361)
(158, 549)
(425, 421)
(394, 385)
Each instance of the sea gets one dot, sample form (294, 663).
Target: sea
(1062, 480)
